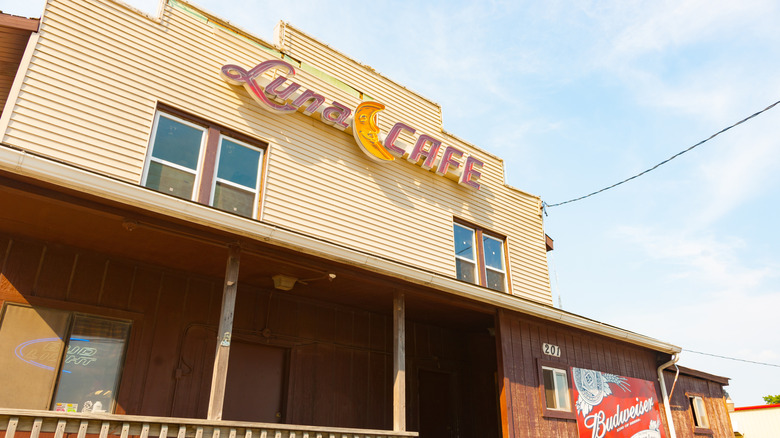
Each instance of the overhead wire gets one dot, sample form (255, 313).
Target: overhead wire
(546, 205)
(734, 358)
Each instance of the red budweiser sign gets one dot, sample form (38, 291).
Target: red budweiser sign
(610, 406)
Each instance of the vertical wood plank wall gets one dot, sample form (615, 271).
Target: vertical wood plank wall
(714, 403)
(340, 369)
(522, 338)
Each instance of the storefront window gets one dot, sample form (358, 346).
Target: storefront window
(47, 351)
(92, 365)
(31, 346)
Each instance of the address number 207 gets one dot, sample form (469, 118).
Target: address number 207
(551, 350)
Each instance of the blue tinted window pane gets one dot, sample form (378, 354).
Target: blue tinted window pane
(494, 253)
(177, 143)
(238, 164)
(464, 242)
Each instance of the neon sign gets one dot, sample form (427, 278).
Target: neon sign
(427, 152)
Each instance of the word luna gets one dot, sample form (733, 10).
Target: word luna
(280, 99)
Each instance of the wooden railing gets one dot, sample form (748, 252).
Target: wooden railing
(31, 424)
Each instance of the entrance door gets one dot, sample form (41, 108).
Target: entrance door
(256, 383)
(437, 405)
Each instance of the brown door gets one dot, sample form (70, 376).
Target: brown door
(256, 383)
(437, 405)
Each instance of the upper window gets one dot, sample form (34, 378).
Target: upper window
(700, 420)
(237, 179)
(175, 160)
(479, 257)
(201, 163)
(59, 360)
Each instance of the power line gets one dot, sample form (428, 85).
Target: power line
(545, 205)
(734, 358)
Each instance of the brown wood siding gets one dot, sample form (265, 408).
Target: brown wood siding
(14, 34)
(714, 403)
(340, 369)
(521, 338)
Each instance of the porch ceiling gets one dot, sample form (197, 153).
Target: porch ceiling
(44, 212)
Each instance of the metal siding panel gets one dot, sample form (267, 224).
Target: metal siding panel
(318, 181)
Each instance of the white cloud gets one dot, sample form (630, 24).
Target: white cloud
(710, 300)
(677, 23)
(744, 168)
(712, 264)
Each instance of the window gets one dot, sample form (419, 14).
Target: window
(556, 389)
(700, 420)
(201, 162)
(238, 177)
(174, 163)
(479, 257)
(59, 360)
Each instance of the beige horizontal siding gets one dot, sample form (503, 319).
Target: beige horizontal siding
(423, 114)
(100, 70)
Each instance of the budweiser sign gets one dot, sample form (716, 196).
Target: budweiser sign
(610, 406)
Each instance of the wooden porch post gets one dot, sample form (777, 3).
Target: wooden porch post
(399, 362)
(219, 378)
(504, 346)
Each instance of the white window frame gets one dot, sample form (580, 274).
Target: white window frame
(699, 411)
(480, 265)
(503, 259)
(149, 158)
(473, 261)
(255, 190)
(556, 390)
(209, 131)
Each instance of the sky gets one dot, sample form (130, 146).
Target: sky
(578, 95)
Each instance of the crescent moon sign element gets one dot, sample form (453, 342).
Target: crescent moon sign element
(366, 131)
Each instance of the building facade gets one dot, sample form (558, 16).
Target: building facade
(208, 233)
(756, 421)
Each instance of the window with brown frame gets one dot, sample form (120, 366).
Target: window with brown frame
(701, 422)
(196, 160)
(60, 360)
(479, 257)
(555, 388)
